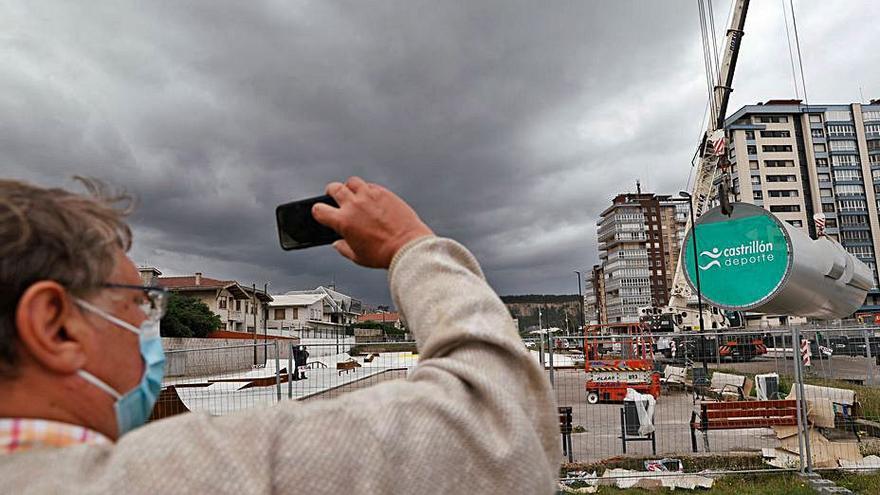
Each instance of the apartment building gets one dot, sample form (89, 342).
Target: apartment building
(798, 161)
(639, 241)
(595, 309)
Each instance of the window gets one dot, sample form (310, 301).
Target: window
(838, 116)
(847, 174)
(783, 193)
(871, 115)
(797, 223)
(852, 205)
(756, 180)
(828, 207)
(295, 313)
(860, 251)
(775, 134)
(821, 162)
(842, 145)
(778, 163)
(874, 160)
(872, 130)
(825, 192)
(750, 134)
(279, 314)
(831, 223)
(816, 118)
(752, 149)
(238, 305)
(849, 190)
(855, 235)
(221, 303)
(785, 208)
(753, 164)
(841, 131)
(873, 145)
(781, 178)
(852, 220)
(776, 148)
(817, 133)
(824, 177)
(875, 174)
(773, 119)
(757, 194)
(844, 161)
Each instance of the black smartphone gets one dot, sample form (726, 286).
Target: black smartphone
(298, 229)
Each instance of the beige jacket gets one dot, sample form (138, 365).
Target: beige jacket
(476, 415)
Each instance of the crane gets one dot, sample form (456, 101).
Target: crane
(712, 155)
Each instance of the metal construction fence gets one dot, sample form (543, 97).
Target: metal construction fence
(786, 399)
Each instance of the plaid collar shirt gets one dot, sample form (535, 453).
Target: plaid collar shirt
(22, 434)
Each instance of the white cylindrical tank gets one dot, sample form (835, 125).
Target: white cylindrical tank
(752, 261)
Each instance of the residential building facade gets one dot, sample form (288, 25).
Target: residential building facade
(240, 308)
(319, 312)
(798, 161)
(639, 240)
(391, 317)
(290, 313)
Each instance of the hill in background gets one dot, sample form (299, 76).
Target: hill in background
(557, 311)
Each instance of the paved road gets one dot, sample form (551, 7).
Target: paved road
(672, 415)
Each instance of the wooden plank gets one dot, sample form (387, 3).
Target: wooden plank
(751, 413)
(759, 404)
(747, 423)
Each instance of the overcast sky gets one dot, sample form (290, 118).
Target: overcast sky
(507, 125)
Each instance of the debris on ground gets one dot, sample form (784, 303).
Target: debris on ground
(825, 453)
(664, 465)
(868, 464)
(671, 478)
(579, 478)
(625, 478)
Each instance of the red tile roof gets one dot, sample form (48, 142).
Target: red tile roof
(189, 282)
(379, 317)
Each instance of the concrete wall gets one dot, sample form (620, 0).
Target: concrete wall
(202, 357)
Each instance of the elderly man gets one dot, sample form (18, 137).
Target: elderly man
(81, 365)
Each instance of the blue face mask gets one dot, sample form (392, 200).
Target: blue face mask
(133, 408)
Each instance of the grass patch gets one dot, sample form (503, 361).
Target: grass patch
(858, 483)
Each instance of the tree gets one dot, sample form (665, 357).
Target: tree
(188, 317)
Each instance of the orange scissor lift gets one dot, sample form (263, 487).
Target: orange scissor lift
(629, 363)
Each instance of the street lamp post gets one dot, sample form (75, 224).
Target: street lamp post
(690, 199)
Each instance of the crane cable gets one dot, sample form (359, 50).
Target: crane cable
(797, 42)
(790, 52)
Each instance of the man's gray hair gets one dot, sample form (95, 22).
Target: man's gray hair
(55, 234)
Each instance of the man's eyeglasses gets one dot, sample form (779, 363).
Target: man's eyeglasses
(155, 299)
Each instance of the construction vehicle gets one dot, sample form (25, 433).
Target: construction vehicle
(618, 357)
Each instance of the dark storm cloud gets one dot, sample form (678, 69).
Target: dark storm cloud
(508, 125)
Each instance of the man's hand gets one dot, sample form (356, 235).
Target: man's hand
(373, 221)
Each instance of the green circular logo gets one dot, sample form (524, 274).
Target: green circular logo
(742, 260)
